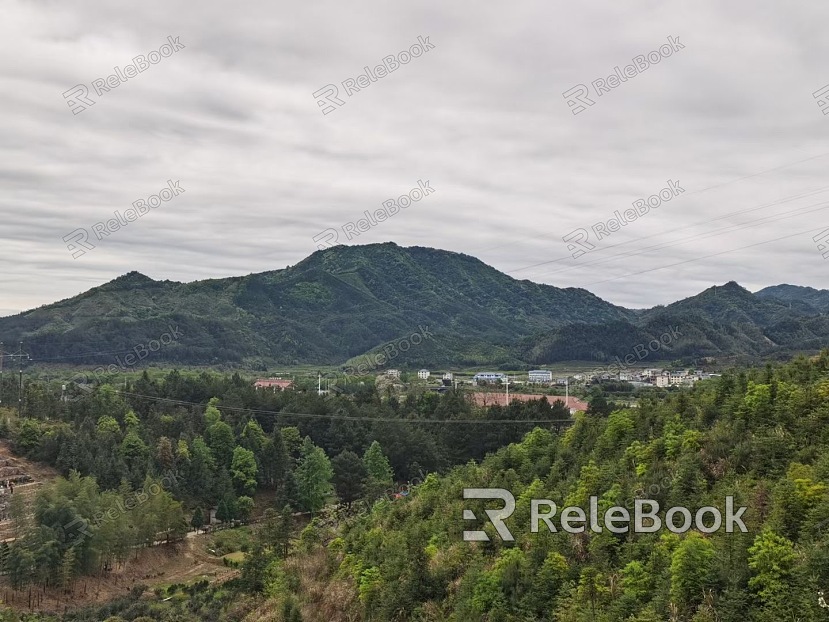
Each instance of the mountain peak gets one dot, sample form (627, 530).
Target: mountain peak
(731, 288)
(128, 281)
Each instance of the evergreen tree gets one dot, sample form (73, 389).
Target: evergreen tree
(313, 477)
(221, 442)
(243, 470)
(379, 471)
(349, 476)
(197, 521)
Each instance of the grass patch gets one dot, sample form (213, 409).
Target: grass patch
(230, 541)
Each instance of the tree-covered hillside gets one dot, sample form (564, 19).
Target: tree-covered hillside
(334, 305)
(761, 436)
(382, 479)
(347, 301)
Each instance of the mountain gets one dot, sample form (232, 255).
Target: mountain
(817, 299)
(334, 305)
(345, 302)
(725, 320)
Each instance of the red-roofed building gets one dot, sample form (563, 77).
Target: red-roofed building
(491, 399)
(275, 384)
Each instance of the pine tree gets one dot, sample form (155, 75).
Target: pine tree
(349, 476)
(380, 474)
(313, 477)
(222, 514)
(243, 470)
(197, 521)
(164, 453)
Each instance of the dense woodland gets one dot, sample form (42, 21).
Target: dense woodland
(760, 435)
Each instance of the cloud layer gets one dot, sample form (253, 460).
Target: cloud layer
(730, 116)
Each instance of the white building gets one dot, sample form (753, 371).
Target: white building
(393, 373)
(423, 374)
(449, 376)
(663, 380)
(540, 376)
(488, 376)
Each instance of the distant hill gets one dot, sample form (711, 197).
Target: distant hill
(725, 320)
(344, 302)
(816, 299)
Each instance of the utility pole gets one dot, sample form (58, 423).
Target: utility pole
(21, 356)
(507, 389)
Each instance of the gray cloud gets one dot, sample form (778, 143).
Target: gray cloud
(481, 116)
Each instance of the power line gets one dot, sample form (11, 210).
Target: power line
(679, 263)
(726, 183)
(706, 234)
(696, 224)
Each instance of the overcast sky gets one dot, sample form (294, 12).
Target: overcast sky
(730, 116)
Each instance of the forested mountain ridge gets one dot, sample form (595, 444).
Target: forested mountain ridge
(725, 320)
(818, 299)
(345, 301)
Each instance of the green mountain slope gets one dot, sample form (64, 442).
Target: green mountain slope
(725, 320)
(334, 305)
(805, 297)
(346, 301)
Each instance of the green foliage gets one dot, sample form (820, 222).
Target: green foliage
(406, 558)
(243, 469)
(759, 434)
(349, 476)
(197, 521)
(378, 469)
(313, 477)
(692, 570)
(244, 508)
(221, 441)
(297, 314)
(771, 559)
